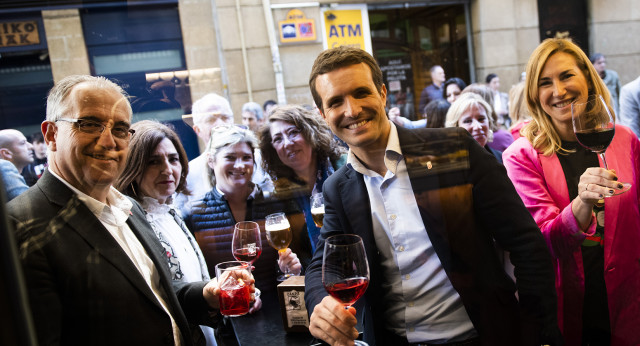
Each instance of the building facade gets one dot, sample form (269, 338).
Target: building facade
(169, 53)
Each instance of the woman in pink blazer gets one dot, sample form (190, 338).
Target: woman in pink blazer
(596, 244)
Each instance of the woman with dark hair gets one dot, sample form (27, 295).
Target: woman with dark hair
(452, 89)
(156, 169)
(436, 113)
(595, 241)
(300, 153)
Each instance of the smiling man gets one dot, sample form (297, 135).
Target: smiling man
(428, 204)
(95, 272)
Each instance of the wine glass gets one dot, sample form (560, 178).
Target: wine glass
(246, 244)
(279, 236)
(345, 270)
(594, 127)
(317, 209)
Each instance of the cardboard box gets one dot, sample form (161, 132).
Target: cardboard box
(294, 311)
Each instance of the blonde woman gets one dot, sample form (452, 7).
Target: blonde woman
(473, 113)
(595, 240)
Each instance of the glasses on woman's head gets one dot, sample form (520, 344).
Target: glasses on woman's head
(231, 128)
(92, 127)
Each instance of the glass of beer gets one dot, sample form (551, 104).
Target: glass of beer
(279, 236)
(317, 209)
(235, 293)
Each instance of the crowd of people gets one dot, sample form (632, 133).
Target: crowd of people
(484, 223)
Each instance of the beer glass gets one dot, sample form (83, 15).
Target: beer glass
(279, 236)
(317, 209)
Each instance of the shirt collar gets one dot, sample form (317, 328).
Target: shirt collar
(252, 195)
(392, 154)
(117, 204)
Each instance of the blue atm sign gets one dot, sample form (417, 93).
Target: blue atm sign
(345, 30)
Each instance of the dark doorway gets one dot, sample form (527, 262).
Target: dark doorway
(408, 41)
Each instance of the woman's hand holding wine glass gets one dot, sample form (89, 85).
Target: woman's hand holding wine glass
(289, 261)
(279, 236)
(594, 128)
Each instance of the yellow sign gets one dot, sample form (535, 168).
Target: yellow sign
(14, 34)
(297, 28)
(344, 28)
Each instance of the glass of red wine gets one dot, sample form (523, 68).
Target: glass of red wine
(594, 127)
(345, 270)
(246, 244)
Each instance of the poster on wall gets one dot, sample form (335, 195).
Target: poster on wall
(346, 25)
(398, 77)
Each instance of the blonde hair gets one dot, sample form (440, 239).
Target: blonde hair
(540, 131)
(518, 111)
(462, 104)
(227, 135)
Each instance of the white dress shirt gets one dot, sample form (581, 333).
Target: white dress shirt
(419, 299)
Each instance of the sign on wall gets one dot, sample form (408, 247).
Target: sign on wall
(346, 25)
(297, 28)
(13, 34)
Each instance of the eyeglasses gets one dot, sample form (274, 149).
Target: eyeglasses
(97, 128)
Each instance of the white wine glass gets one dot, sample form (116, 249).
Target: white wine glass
(594, 128)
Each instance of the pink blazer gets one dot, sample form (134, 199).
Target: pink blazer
(542, 186)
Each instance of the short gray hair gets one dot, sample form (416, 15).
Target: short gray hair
(210, 103)
(254, 108)
(57, 103)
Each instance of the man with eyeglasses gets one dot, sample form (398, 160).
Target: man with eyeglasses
(94, 269)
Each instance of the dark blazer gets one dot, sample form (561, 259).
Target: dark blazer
(83, 288)
(466, 202)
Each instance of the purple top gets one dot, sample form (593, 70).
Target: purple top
(501, 140)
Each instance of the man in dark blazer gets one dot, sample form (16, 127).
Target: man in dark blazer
(464, 201)
(95, 272)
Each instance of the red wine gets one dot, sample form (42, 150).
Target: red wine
(245, 255)
(349, 290)
(596, 140)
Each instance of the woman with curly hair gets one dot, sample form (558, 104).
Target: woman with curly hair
(300, 153)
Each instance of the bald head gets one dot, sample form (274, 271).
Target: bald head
(15, 148)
